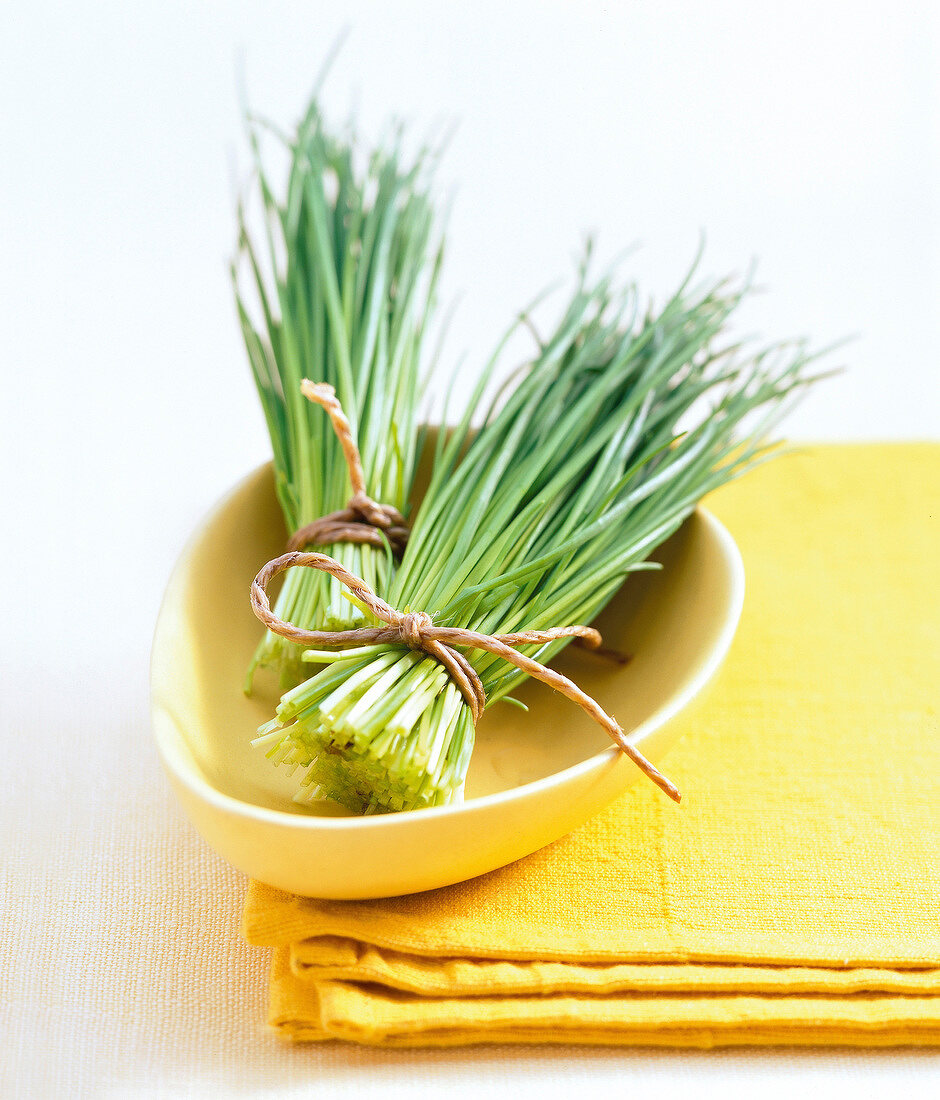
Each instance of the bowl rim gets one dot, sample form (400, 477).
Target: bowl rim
(204, 790)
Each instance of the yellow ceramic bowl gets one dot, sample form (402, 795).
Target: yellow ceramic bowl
(533, 777)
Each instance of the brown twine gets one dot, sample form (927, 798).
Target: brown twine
(417, 630)
(363, 520)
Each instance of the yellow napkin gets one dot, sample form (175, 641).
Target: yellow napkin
(794, 895)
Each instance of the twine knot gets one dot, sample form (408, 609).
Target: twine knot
(412, 627)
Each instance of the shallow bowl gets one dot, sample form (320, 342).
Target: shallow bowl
(534, 776)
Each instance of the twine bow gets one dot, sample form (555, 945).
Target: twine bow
(417, 630)
(363, 520)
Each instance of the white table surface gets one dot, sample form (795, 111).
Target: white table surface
(808, 138)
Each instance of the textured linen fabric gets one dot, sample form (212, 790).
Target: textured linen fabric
(794, 895)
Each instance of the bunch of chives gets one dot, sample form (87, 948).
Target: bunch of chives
(605, 445)
(339, 289)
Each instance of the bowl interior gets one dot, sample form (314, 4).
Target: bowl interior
(671, 622)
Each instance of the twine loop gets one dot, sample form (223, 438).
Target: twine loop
(418, 630)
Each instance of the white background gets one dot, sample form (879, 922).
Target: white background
(802, 134)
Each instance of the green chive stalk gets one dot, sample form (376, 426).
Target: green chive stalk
(337, 287)
(623, 422)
